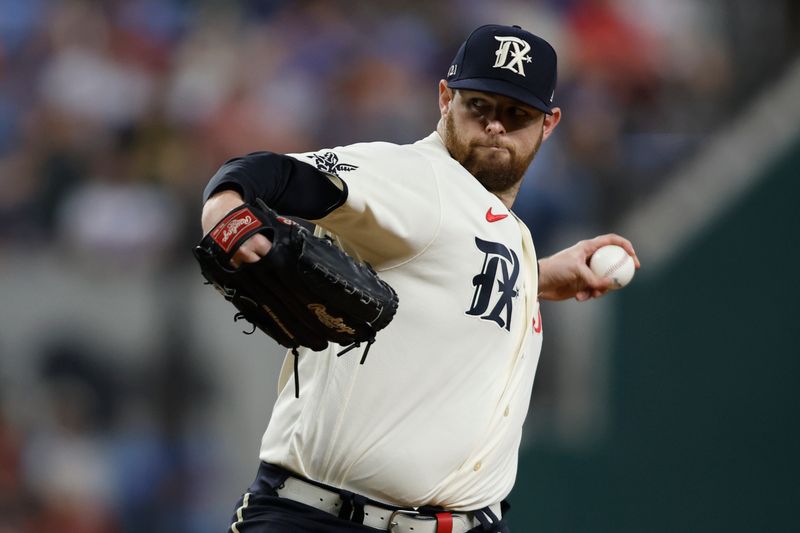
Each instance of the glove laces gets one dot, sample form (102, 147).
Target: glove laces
(370, 342)
(240, 316)
(296, 372)
(296, 355)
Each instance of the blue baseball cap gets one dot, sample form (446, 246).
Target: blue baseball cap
(509, 61)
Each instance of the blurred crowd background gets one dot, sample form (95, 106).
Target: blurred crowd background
(114, 114)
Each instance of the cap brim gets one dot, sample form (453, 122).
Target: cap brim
(503, 88)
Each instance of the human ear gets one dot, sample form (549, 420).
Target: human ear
(445, 97)
(550, 122)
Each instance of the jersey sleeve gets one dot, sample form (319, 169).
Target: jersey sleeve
(392, 211)
(290, 186)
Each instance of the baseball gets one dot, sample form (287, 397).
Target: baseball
(613, 261)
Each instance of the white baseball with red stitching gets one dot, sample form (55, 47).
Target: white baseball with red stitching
(613, 261)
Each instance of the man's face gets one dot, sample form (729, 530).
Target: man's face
(494, 137)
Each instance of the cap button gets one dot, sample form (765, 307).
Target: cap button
(515, 26)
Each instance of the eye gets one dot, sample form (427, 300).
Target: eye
(478, 104)
(520, 113)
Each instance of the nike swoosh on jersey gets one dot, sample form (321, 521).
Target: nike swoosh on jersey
(491, 217)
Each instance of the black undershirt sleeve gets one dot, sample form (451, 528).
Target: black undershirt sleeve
(288, 186)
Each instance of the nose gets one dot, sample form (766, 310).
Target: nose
(495, 127)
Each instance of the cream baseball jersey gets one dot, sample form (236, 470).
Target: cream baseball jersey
(434, 415)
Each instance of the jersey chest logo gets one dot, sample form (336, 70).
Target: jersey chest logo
(495, 285)
(328, 162)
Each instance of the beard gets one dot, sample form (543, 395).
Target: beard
(496, 171)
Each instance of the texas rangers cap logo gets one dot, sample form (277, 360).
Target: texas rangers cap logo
(500, 59)
(512, 59)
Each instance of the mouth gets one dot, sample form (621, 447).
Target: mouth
(494, 149)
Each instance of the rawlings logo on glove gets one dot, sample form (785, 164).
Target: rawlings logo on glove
(304, 292)
(332, 322)
(240, 221)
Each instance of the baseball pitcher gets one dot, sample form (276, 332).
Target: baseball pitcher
(411, 316)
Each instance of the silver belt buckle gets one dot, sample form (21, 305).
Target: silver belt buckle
(409, 512)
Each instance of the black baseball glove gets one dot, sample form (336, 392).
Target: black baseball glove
(304, 292)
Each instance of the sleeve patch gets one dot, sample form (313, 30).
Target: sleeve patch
(328, 162)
